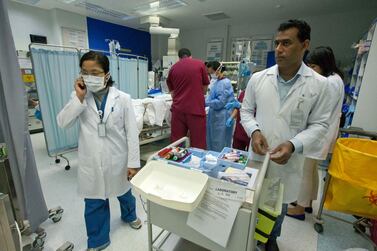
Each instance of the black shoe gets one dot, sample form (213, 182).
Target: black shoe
(309, 210)
(271, 245)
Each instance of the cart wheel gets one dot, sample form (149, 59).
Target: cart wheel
(56, 219)
(39, 242)
(318, 228)
(67, 167)
(360, 228)
(57, 161)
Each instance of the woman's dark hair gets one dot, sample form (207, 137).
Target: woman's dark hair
(100, 59)
(214, 65)
(323, 56)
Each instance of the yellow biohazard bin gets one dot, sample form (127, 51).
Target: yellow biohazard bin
(353, 184)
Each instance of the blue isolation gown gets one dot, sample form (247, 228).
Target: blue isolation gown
(218, 134)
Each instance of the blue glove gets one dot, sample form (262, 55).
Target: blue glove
(229, 122)
(236, 105)
(206, 103)
(229, 106)
(233, 105)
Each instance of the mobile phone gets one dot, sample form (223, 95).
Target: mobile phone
(82, 87)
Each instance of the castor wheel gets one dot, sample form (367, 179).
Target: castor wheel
(67, 246)
(56, 214)
(318, 228)
(57, 161)
(67, 167)
(39, 242)
(359, 228)
(56, 219)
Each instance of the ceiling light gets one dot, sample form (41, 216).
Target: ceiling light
(30, 2)
(67, 1)
(216, 16)
(157, 6)
(101, 11)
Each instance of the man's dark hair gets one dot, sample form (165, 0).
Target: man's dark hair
(184, 52)
(100, 59)
(303, 28)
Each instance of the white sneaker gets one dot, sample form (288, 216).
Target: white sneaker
(100, 247)
(136, 224)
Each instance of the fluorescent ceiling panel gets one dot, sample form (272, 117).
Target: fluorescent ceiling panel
(101, 11)
(157, 6)
(216, 16)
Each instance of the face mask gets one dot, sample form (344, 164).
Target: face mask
(213, 76)
(93, 83)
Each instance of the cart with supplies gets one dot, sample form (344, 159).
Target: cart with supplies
(351, 181)
(171, 210)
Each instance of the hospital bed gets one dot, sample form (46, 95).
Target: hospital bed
(173, 222)
(153, 118)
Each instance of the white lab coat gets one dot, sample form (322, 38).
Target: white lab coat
(337, 96)
(309, 184)
(274, 119)
(103, 161)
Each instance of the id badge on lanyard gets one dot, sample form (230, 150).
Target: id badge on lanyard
(102, 125)
(297, 116)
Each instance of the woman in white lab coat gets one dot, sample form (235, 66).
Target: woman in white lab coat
(108, 147)
(322, 60)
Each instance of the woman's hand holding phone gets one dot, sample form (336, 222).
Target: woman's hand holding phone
(80, 89)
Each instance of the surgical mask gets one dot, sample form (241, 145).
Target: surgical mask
(213, 76)
(93, 83)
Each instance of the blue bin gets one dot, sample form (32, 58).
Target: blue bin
(228, 163)
(192, 152)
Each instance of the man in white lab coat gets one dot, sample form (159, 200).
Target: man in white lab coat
(292, 111)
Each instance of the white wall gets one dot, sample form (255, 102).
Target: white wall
(159, 47)
(26, 20)
(196, 40)
(338, 30)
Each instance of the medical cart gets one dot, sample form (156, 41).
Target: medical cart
(173, 222)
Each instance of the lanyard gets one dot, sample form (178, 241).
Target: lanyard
(101, 110)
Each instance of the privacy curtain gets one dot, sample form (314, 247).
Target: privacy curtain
(14, 129)
(55, 72)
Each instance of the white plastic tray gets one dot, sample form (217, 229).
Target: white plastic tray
(170, 186)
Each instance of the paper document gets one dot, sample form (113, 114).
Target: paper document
(215, 216)
(244, 177)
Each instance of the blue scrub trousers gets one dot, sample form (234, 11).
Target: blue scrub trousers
(97, 217)
(276, 231)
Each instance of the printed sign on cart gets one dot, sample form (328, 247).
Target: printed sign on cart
(227, 190)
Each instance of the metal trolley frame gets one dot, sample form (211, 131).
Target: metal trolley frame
(359, 224)
(173, 221)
